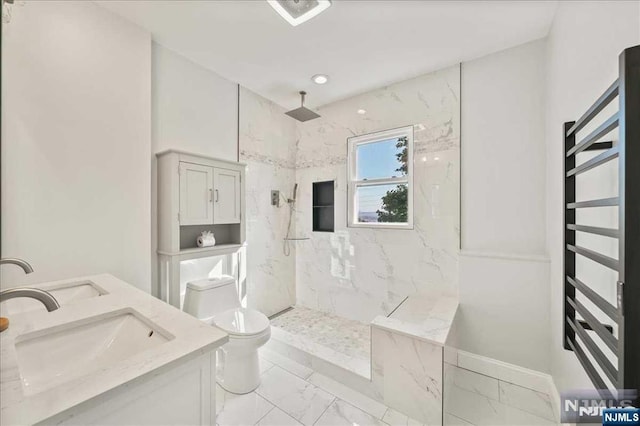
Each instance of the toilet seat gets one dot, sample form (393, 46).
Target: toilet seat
(241, 322)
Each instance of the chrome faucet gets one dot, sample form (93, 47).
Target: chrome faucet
(45, 297)
(21, 263)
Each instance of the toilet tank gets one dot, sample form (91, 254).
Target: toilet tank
(208, 297)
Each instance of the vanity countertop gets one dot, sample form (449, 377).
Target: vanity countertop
(188, 338)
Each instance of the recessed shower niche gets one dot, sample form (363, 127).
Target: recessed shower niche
(323, 206)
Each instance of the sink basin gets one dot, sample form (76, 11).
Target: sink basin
(64, 294)
(50, 357)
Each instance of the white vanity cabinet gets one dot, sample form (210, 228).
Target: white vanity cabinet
(196, 193)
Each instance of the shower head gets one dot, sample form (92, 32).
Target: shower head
(295, 191)
(302, 114)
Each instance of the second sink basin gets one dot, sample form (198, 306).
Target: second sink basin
(47, 358)
(64, 294)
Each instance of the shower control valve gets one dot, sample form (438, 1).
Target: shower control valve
(275, 198)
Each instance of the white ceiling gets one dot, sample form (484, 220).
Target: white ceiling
(361, 45)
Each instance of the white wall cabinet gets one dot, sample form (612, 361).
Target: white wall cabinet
(209, 195)
(226, 202)
(196, 194)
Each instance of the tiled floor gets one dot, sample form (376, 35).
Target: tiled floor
(292, 394)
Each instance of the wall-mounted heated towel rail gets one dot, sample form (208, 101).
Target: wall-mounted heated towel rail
(602, 326)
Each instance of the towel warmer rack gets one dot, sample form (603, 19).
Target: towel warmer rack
(581, 325)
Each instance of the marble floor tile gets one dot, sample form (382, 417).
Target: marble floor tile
(396, 418)
(370, 406)
(471, 381)
(295, 396)
(341, 413)
(277, 417)
(233, 410)
(451, 420)
(527, 400)
(286, 363)
(480, 410)
(265, 364)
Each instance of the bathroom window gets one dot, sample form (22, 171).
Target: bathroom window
(381, 179)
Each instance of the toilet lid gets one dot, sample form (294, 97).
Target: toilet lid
(241, 322)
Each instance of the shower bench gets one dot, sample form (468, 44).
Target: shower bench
(408, 353)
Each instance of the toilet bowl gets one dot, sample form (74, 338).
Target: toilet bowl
(215, 301)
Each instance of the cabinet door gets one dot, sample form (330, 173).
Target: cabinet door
(226, 205)
(196, 194)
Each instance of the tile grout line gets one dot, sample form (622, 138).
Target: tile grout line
(489, 400)
(525, 410)
(267, 413)
(384, 415)
(345, 399)
(459, 418)
(499, 380)
(325, 410)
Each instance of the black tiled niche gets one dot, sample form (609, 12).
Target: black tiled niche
(323, 206)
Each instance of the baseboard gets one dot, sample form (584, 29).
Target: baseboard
(506, 256)
(500, 370)
(555, 397)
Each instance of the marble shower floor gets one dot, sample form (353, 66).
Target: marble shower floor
(335, 339)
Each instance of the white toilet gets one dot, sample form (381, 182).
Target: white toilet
(216, 302)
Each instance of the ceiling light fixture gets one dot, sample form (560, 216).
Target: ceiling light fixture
(296, 12)
(362, 111)
(320, 79)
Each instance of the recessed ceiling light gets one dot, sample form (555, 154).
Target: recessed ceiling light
(362, 111)
(436, 158)
(424, 158)
(297, 12)
(320, 79)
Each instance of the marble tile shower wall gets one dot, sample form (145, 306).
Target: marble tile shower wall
(267, 146)
(360, 273)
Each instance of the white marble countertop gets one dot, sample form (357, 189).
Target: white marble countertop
(424, 316)
(190, 338)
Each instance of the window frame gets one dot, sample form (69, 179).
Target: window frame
(353, 184)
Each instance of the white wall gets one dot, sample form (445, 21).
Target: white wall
(194, 110)
(503, 267)
(503, 160)
(582, 57)
(75, 143)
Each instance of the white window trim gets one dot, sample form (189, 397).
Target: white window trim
(353, 143)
